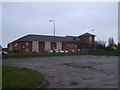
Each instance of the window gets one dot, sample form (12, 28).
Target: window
(68, 45)
(77, 39)
(16, 44)
(27, 50)
(26, 43)
(35, 43)
(72, 45)
(75, 46)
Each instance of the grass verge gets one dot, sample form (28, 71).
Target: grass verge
(108, 53)
(14, 77)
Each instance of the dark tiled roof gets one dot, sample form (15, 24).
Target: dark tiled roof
(44, 38)
(87, 34)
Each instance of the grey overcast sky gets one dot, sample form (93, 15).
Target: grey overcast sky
(74, 19)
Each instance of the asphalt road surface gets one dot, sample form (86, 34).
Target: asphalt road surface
(73, 71)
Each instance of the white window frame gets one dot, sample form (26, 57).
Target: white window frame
(16, 44)
(27, 44)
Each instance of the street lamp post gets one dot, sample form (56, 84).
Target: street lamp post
(54, 29)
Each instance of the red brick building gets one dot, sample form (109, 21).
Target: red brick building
(88, 38)
(0, 48)
(119, 48)
(43, 43)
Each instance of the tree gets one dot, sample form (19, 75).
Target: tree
(100, 45)
(110, 43)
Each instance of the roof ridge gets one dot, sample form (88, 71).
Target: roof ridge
(43, 35)
(87, 34)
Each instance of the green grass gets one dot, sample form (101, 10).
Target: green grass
(105, 53)
(108, 53)
(14, 77)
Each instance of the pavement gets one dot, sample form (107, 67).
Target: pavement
(85, 71)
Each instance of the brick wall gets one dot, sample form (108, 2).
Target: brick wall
(0, 48)
(87, 39)
(53, 46)
(22, 47)
(41, 46)
(68, 46)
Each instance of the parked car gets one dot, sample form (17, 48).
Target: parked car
(56, 51)
(50, 51)
(4, 53)
(72, 50)
(61, 51)
(66, 51)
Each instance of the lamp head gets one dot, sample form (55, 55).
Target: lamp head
(50, 20)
